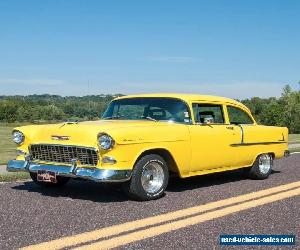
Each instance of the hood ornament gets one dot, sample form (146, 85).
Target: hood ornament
(69, 123)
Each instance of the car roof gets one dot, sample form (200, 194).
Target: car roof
(189, 98)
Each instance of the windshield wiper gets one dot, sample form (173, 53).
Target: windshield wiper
(112, 117)
(149, 118)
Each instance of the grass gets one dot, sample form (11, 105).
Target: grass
(7, 146)
(14, 177)
(294, 138)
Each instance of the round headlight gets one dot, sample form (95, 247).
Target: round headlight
(105, 141)
(18, 137)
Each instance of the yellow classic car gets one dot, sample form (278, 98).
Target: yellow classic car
(141, 139)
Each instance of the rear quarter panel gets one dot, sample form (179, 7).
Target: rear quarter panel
(260, 139)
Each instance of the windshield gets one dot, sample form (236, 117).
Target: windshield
(148, 108)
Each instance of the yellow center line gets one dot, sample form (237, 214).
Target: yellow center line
(157, 230)
(150, 221)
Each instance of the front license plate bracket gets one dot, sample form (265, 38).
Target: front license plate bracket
(46, 176)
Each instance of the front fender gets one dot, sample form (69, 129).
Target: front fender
(131, 144)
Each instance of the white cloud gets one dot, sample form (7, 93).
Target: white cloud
(234, 89)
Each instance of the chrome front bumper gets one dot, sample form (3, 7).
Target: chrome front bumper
(94, 174)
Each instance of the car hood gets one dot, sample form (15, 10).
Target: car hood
(86, 133)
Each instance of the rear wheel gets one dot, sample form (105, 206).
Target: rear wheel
(60, 181)
(262, 167)
(149, 178)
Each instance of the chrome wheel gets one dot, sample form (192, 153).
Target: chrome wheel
(265, 163)
(152, 177)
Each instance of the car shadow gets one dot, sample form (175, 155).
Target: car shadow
(78, 189)
(112, 192)
(179, 185)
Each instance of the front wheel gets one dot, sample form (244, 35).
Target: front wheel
(61, 181)
(262, 167)
(149, 178)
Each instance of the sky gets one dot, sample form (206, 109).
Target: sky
(231, 48)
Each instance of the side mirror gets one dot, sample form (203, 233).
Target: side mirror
(208, 119)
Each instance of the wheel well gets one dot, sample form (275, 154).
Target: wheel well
(272, 154)
(165, 154)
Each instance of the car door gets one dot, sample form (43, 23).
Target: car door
(249, 129)
(212, 137)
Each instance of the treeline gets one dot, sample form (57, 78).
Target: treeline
(40, 108)
(282, 111)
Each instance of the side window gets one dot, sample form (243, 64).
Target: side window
(208, 113)
(238, 116)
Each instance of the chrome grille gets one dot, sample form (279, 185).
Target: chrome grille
(63, 154)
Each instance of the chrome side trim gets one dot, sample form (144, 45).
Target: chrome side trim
(242, 133)
(256, 143)
(94, 174)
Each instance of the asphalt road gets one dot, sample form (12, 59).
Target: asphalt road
(30, 214)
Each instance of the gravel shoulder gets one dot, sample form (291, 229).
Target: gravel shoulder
(3, 169)
(294, 145)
